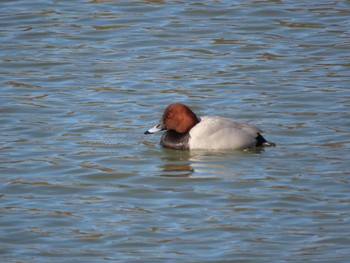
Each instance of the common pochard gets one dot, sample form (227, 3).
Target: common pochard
(185, 131)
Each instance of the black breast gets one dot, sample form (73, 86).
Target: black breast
(174, 140)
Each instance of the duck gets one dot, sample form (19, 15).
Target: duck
(185, 131)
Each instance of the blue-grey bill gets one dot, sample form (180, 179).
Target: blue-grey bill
(157, 128)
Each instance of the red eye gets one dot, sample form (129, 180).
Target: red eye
(170, 115)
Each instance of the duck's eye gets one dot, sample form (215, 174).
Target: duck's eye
(170, 115)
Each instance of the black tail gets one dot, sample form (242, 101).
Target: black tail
(261, 141)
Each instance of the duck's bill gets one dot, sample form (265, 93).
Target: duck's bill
(157, 128)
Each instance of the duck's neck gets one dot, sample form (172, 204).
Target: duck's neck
(175, 140)
(188, 122)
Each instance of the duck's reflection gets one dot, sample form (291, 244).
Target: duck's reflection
(198, 163)
(176, 164)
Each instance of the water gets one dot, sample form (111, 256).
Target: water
(80, 83)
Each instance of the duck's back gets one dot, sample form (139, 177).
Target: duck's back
(214, 132)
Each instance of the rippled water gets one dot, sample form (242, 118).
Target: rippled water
(82, 80)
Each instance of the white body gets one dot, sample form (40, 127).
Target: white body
(214, 132)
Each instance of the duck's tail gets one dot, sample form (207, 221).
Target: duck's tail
(261, 141)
